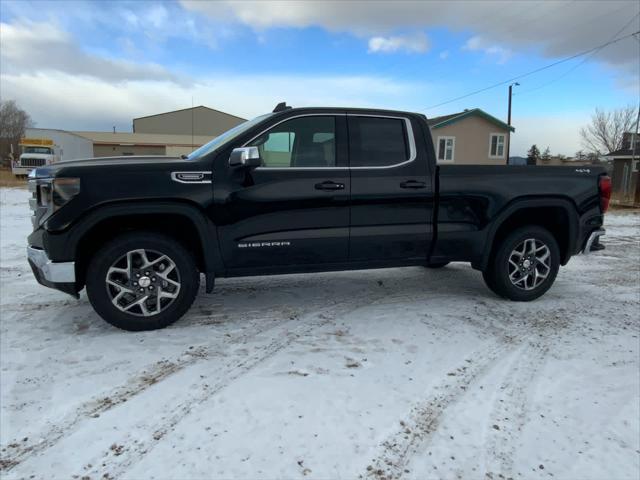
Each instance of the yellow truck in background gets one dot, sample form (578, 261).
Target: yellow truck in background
(45, 146)
(36, 152)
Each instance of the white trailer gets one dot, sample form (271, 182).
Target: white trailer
(44, 146)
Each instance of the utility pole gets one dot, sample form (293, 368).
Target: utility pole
(516, 84)
(192, 127)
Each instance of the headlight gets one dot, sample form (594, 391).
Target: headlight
(49, 195)
(54, 193)
(64, 189)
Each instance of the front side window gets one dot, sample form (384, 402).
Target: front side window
(446, 149)
(497, 145)
(377, 141)
(299, 142)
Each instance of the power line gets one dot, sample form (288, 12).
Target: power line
(586, 52)
(582, 62)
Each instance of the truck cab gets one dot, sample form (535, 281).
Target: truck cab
(36, 152)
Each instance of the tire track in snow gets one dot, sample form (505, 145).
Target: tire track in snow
(16, 453)
(509, 413)
(424, 418)
(148, 438)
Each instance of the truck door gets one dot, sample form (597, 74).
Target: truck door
(294, 209)
(391, 190)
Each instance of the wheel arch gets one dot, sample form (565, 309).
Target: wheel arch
(185, 222)
(558, 215)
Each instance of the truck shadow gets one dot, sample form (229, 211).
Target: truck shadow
(239, 300)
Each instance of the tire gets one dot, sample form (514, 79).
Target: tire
(119, 271)
(529, 280)
(437, 265)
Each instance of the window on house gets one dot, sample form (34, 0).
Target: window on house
(446, 149)
(496, 148)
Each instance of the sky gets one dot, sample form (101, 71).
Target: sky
(85, 65)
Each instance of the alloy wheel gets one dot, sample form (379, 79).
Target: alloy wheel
(529, 264)
(143, 282)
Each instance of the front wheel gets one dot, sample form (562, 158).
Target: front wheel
(142, 281)
(525, 264)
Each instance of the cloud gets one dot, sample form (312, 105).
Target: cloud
(161, 22)
(505, 26)
(444, 54)
(417, 43)
(476, 43)
(42, 47)
(67, 101)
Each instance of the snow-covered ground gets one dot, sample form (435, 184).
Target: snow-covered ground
(409, 373)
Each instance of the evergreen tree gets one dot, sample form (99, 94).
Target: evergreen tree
(533, 155)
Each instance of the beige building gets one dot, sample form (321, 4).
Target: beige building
(172, 133)
(109, 144)
(197, 121)
(470, 137)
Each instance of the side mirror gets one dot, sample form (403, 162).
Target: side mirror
(245, 157)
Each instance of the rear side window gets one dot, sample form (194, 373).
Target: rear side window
(377, 141)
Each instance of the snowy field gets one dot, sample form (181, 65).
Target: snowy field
(394, 373)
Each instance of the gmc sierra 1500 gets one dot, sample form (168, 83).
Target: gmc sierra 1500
(301, 190)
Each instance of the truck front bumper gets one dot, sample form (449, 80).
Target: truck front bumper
(22, 170)
(58, 275)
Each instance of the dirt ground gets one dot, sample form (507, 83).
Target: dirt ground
(8, 179)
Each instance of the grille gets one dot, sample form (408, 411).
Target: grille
(32, 162)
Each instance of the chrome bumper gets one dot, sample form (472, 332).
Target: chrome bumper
(52, 272)
(592, 238)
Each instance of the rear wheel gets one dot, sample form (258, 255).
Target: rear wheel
(142, 281)
(525, 264)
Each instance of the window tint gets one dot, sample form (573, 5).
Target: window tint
(300, 142)
(377, 142)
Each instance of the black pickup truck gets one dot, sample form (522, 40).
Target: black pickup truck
(301, 190)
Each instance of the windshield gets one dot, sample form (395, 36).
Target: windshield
(226, 137)
(44, 150)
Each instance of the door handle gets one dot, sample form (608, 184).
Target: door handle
(329, 185)
(413, 184)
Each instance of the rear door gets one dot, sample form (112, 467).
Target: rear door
(391, 191)
(294, 209)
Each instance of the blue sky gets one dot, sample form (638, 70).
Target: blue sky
(91, 66)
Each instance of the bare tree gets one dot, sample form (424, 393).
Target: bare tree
(13, 122)
(546, 155)
(604, 133)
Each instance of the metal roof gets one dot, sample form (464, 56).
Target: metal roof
(437, 122)
(119, 138)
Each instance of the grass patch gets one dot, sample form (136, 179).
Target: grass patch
(8, 179)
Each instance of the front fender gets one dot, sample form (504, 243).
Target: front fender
(63, 246)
